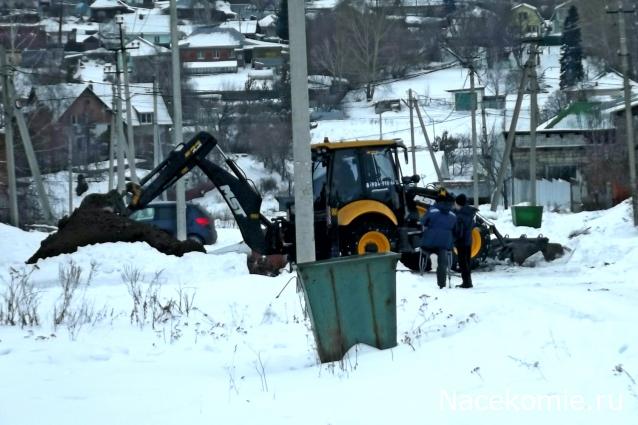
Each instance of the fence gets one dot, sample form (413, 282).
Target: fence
(554, 193)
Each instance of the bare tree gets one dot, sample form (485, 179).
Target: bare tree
(327, 46)
(555, 103)
(366, 30)
(600, 33)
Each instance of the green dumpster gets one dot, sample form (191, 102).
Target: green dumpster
(351, 300)
(530, 216)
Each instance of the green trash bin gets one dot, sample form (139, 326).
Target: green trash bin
(351, 300)
(530, 216)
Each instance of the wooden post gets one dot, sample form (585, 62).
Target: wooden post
(439, 177)
(8, 139)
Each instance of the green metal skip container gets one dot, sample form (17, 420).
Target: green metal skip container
(530, 216)
(351, 300)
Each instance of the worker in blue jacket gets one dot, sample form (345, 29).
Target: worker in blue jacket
(463, 238)
(438, 227)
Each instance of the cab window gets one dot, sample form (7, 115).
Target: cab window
(319, 179)
(346, 179)
(379, 168)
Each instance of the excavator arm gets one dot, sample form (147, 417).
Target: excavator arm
(259, 233)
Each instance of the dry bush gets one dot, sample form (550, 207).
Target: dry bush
(20, 301)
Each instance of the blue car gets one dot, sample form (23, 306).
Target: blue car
(200, 225)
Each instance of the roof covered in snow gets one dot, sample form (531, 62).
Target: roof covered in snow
(213, 37)
(244, 27)
(267, 21)
(140, 47)
(608, 80)
(146, 21)
(579, 116)
(250, 43)
(52, 25)
(59, 97)
(108, 4)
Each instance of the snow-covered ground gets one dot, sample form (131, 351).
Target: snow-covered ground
(551, 342)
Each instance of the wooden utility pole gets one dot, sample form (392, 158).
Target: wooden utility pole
(304, 216)
(8, 138)
(533, 123)
(70, 138)
(469, 64)
(411, 105)
(473, 100)
(483, 123)
(496, 196)
(112, 146)
(629, 122)
(156, 143)
(129, 110)
(33, 164)
(119, 130)
(439, 176)
(180, 188)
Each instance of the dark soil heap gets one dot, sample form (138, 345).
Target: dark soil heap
(88, 226)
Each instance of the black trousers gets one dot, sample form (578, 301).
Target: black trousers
(442, 263)
(463, 254)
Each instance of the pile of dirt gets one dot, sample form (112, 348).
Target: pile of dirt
(87, 226)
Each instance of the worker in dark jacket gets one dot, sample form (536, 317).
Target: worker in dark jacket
(463, 238)
(438, 226)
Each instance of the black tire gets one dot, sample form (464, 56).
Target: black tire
(196, 238)
(411, 260)
(368, 228)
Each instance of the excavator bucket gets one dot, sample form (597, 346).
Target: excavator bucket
(518, 249)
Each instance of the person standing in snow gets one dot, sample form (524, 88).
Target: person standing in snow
(438, 226)
(463, 238)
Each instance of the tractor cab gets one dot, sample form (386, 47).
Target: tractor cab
(346, 172)
(356, 184)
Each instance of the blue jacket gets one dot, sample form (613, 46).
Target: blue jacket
(465, 223)
(438, 225)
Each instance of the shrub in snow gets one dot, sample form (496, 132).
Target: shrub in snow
(20, 300)
(70, 279)
(148, 306)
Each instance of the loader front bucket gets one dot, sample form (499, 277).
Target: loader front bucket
(520, 249)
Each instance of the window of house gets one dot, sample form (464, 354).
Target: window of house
(200, 55)
(522, 16)
(145, 118)
(156, 39)
(216, 54)
(74, 119)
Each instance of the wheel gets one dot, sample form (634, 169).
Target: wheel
(480, 245)
(196, 238)
(411, 260)
(368, 234)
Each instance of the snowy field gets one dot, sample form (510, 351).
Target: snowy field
(551, 342)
